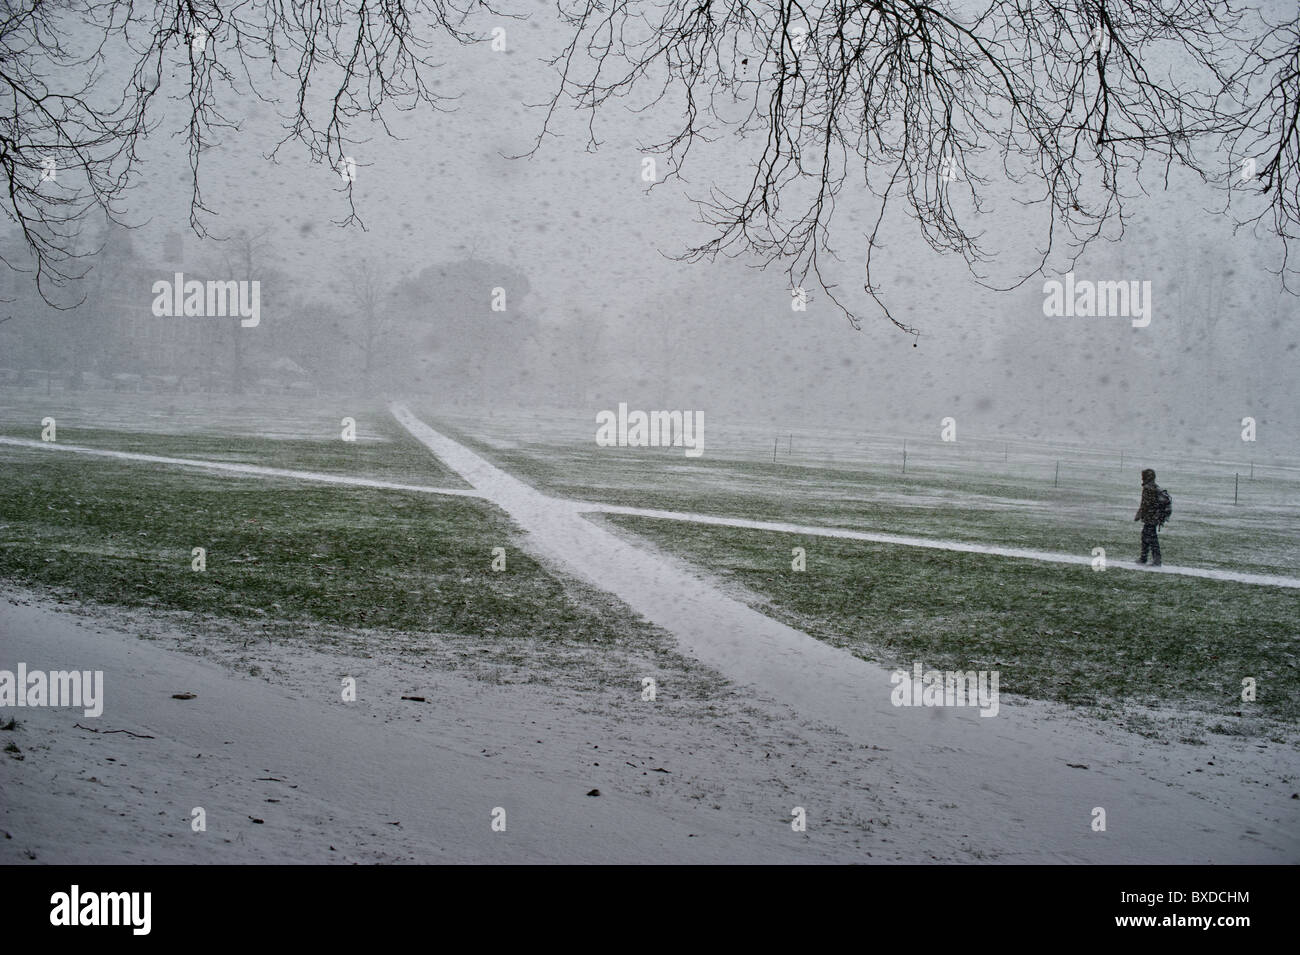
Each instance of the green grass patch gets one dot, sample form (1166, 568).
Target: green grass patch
(1056, 632)
(122, 533)
(946, 504)
(399, 457)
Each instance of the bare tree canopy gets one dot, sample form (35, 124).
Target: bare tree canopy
(68, 116)
(931, 103)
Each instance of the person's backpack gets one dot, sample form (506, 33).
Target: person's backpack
(1164, 505)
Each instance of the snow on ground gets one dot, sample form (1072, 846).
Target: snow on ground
(391, 780)
(595, 507)
(285, 417)
(730, 437)
(1012, 780)
(804, 724)
(249, 470)
(1021, 553)
(854, 472)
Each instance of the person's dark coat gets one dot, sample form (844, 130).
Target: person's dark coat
(1148, 511)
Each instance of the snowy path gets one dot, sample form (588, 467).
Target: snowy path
(248, 470)
(1266, 580)
(1017, 781)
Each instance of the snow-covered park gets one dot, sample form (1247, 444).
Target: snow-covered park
(651, 432)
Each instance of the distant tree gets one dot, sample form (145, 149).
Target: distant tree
(244, 256)
(368, 319)
(307, 331)
(466, 348)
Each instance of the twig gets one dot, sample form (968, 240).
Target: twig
(106, 732)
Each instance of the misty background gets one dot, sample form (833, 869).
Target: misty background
(597, 310)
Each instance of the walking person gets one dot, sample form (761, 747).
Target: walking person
(1153, 511)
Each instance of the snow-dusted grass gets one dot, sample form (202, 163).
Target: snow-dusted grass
(270, 416)
(283, 438)
(294, 561)
(949, 492)
(371, 576)
(1055, 632)
(289, 560)
(288, 555)
(1018, 773)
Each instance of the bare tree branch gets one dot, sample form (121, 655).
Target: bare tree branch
(69, 136)
(931, 102)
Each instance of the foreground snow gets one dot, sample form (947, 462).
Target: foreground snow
(391, 780)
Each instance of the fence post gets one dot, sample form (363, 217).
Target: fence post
(1056, 481)
(1236, 478)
